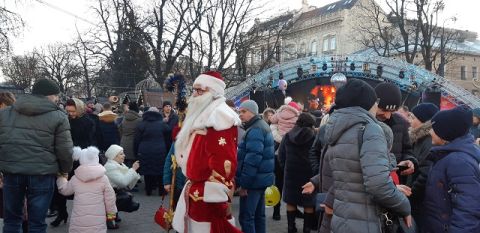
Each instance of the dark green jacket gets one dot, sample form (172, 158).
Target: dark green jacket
(34, 138)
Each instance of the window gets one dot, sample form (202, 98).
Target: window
(462, 73)
(301, 50)
(313, 48)
(331, 7)
(329, 43)
(333, 43)
(325, 44)
(474, 72)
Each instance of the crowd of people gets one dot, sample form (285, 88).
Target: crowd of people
(368, 164)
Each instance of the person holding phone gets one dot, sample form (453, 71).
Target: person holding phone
(419, 133)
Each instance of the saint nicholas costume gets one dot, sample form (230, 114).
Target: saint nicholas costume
(206, 151)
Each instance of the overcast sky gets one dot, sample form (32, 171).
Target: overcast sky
(45, 25)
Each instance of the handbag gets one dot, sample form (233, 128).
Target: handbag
(164, 216)
(125, 201)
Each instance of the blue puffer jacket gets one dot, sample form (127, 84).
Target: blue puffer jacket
(256, 156)
(167, 171)
(452, 192)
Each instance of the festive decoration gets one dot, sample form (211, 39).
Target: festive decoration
(176, 83)
(282, 85)
(272, 196)
(338, 80)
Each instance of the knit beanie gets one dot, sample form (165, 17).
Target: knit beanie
(355, 93)
(453, 123)
(45, 87)
(476, 112)
(390, 96)
(166, 103)
(87, 156)
(250, 106)
(425, 111)
(113, 151)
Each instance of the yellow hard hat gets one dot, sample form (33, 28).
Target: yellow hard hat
(272, 196)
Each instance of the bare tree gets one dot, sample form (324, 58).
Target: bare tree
(375, 31)
(58, 63)
(225, 21)
(435, 40)
(86, 61)
(169, 31)
(22, 71)
(10, 25)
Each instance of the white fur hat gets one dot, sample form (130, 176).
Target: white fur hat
(113, 151)
(213, 80)
(88, 156)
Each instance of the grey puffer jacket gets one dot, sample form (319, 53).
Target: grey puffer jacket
(35, 138)
(361, 187)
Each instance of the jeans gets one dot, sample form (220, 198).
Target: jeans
(252, 212)
(38, 189)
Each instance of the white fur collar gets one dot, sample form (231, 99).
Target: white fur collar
(217, 115)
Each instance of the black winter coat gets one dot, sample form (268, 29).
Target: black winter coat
(149, 143)
(294, 159)
(402, 147)
(110, 133)
(83, 130)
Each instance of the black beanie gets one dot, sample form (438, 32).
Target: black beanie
(390, 96)
(165, 103)
(45, 87)
(425, 111)
(132, 106)
(453, 123)
(355, 93)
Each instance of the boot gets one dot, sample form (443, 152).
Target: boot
(61, 217)
(276, 212)
(298, 213)
(112, 224)
(308, 222)
(291, 221)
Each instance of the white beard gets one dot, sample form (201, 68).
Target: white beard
(196, 106)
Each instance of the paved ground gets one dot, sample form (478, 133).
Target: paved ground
(142, 220)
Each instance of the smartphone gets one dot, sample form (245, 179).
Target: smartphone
(402, 167)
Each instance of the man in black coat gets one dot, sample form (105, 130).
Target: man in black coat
(389, 100)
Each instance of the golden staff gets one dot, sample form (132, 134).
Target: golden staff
(169, 214)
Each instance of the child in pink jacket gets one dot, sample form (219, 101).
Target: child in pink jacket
(94, 196)
(284, 120)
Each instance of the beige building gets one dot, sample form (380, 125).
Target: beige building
(332, 30)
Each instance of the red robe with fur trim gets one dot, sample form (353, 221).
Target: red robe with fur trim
(210, 165)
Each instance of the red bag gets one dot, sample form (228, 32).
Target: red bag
(163, 218)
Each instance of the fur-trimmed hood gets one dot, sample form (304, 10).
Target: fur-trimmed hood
(419, 133)
(107, 116)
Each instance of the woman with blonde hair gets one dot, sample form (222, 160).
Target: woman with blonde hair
(6, 99)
